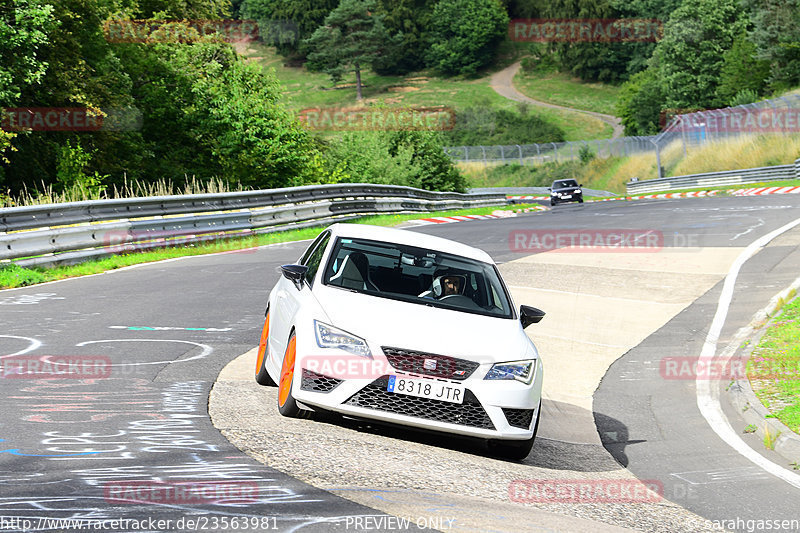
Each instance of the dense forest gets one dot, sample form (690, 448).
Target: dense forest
(204, 112)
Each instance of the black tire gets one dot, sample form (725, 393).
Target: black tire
(289, 408)
(262, 376)
(552, 203)
(580, 200)
(516, 450)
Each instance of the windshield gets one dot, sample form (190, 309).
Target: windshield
(417, 275)
(564, 183)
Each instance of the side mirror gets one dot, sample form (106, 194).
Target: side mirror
(295, 273)
(529, 315)
(549, 189)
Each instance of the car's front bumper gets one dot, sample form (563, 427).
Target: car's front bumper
(493, 409)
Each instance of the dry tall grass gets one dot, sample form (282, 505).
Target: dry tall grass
(129, 189)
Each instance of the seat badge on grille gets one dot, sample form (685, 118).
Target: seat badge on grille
(429, 364)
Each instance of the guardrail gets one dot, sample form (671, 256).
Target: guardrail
(76, 231)
(716, 179)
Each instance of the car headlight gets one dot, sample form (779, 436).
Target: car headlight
(331, 337)
(520, 370)
(578, 191)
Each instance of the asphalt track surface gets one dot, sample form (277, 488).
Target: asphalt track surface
(169, 328)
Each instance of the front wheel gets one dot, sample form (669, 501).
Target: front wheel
(262, 376)
(580, 200)
(287, 406)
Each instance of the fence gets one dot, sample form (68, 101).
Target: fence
(77, 231)
(717, 179)
(549, 152)
(778, 116)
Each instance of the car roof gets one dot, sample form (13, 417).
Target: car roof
(410, 238)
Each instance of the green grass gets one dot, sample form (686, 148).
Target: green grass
(12, 275)
(562, 89)
(774, 367)
(305, 89)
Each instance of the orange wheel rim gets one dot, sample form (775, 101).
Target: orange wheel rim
(287, 372)
(262, 345)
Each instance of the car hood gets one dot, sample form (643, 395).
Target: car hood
(566, 189)
(385, 322)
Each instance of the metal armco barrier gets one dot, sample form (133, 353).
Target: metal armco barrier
(716, 179)
(76, 231)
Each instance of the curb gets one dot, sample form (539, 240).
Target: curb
(742, 396)
(758, 191)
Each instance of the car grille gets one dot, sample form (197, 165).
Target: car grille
(519, 418)
(375, 396)
(414, 362)
(311, 381)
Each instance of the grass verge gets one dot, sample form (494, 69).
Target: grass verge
(561, 89)
(774, 367)
(12, 276)
(305, 89)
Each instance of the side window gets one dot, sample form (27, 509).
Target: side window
(313, 246)
(314, 259)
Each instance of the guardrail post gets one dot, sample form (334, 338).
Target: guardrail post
(521, 162)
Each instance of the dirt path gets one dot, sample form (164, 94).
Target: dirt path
(503, 83)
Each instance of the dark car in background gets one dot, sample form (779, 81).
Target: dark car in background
(565, 191)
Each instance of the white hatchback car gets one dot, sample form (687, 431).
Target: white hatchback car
(406, 328)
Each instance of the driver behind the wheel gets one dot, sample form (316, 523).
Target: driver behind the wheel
(451, 285)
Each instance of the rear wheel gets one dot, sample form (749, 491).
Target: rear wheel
(262, 376)
(287, 406)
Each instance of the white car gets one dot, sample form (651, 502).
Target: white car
(406, 328)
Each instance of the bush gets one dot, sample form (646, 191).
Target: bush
(409, 158)
(516, 175)
(482, 125)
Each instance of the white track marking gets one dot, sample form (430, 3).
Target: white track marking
(34, 343)
(708, 396)
(206, 350)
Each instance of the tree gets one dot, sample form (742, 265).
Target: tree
(353, 37)
(741, 71)
(24, 25)
(411, 19)
(689, 58)
(776, 34)
(465, 35)
(304, 15)
(640, 103)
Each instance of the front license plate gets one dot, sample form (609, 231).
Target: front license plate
(567, 196)
(423, 388)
